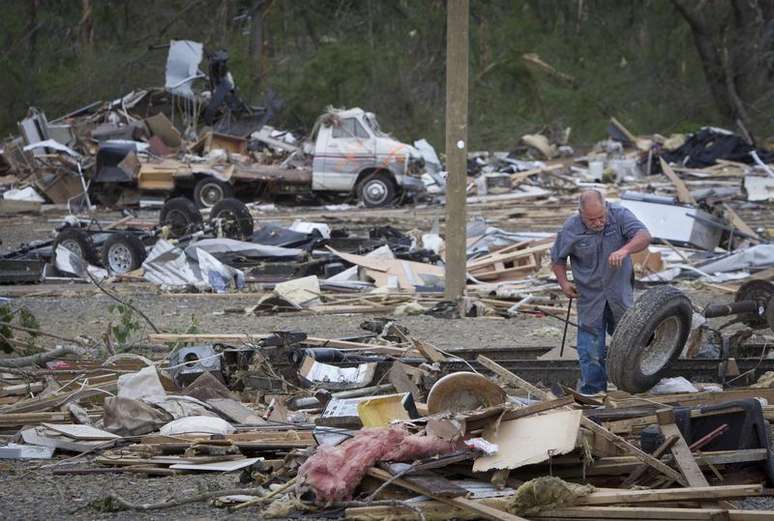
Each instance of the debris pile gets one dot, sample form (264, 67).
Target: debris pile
(308, 426)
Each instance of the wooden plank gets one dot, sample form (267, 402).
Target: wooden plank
(163, 338)
(738, 222)
(437, 511)
(637, 473)
(479, 420)
(32, 418)
(634, 451)
(683, 194)
(613, 497)
(518, 177)
(482, 510)
(644, 513)
(585, 422)
(81, 432)
(220, 466)
(512, 378)
(436, 484)
(680, 450)
(235, 411)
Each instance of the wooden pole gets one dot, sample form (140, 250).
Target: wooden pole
(456, 144)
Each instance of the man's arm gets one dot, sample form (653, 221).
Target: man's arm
(568, 288)
(639, 242)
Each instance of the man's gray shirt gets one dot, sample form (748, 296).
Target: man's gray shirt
(598, 283)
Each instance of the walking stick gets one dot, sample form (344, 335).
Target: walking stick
(566, 324)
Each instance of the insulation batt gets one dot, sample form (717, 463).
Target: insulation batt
(333, 473)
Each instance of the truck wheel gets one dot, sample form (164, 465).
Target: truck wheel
(181, 215)
(648, 338)
(235, 219)
(122, 253)
(377, 189)
(77, 241)
(210, 191)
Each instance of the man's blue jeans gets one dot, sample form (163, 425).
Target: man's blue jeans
(592, 353)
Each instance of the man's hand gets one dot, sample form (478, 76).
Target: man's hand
(569, 290)
(617, 257)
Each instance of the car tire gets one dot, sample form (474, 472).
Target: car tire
(122, 253)
(77, 241)
(648, 338)
(181, 215)
(237, 223)
(210, 191)
(377, 190)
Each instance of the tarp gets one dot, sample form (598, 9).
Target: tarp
(245, 249)
(183, 66)
(168, 265)
(761, 256)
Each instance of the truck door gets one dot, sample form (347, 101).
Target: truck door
(348, 148)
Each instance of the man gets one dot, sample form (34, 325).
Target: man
(598, 241)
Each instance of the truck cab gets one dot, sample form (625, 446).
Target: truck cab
(352, 154)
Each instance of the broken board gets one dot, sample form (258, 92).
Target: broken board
(529, 440)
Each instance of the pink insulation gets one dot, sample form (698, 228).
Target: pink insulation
(418, 446)
(334, 472)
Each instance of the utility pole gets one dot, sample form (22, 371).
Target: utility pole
(456, 145)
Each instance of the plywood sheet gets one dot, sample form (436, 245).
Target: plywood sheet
(529, 440)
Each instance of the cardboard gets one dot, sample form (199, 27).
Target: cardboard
(400, 274)
(530, 440)
(220, 466)
(159, 125)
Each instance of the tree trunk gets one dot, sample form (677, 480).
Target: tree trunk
(86, 31)
(733, 40)
(256, 49)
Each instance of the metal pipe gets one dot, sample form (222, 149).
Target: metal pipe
(723, 310)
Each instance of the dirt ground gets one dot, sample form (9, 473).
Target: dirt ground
(31, 492)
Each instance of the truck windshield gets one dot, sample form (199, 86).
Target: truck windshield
(370, 120)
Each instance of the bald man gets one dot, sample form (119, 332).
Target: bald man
(598, 241)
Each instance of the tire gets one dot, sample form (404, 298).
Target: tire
(377, 190)
(122, 253)
(108, 194)
(235, 219)
(181, 215)
(648, 338)
(210, 191)
(77, 241)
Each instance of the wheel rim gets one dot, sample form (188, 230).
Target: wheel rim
(660, 348)
(229, 223)
(119, 258)
(73, 246)
(376, 191)
(211, 194)
(177, 221)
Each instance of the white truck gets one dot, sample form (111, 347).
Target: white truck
(351, 154)
(346, 153)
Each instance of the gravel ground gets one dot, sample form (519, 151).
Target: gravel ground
(33, 493)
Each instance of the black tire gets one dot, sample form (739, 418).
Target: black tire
(235, 219)
(181, 215)
(377, 190)
(108, 194)
(122, 253)
(210, 191)
(648, 338)
(77, 241)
